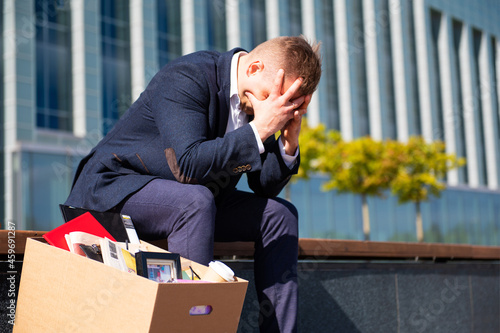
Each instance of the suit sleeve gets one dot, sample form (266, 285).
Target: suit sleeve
(274, 173)
(185, 107)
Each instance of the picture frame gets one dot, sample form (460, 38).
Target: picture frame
(159, 266)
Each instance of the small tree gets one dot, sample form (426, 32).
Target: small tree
(311, 142)
(367, 167)
(422, 167)
(363, 166)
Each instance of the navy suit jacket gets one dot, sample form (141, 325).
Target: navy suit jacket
(176, 130)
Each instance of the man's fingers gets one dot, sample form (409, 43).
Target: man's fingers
(298, 102)
(299, 113)
(293, 89)
(307, 100)
(251, 98)
(278, 83)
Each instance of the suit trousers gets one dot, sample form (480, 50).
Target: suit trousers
(189, 217)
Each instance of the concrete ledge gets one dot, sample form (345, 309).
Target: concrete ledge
(19, 236)
(338, 249)
(321, 249)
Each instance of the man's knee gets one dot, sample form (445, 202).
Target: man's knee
(201, 200)
(290, 209)
(285, 217)
(286, 208)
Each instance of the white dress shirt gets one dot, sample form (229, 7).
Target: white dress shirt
(237, 118)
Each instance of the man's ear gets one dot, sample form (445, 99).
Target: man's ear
(255, 67)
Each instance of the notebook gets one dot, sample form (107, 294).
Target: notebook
(86, 223)
(119, 226)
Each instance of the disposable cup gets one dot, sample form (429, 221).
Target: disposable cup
(218, 272)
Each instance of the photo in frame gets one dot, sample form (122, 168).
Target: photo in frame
(159, 266)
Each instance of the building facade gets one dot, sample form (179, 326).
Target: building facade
(391, 69)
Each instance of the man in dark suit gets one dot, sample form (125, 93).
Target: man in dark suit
(173, 160)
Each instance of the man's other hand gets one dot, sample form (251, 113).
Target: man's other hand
(291, 130)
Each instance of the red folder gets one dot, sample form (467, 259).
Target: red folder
(86, 223)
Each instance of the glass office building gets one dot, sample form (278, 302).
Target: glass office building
(391, 69)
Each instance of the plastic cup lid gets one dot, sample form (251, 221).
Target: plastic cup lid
(223, 270)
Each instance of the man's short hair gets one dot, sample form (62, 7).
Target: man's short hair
(296, 56)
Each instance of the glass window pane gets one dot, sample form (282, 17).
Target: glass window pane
(115, 48)
(46, 181)
(169, 30)
(216, 25)
(53, 63)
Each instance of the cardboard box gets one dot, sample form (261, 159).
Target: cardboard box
(63, 292)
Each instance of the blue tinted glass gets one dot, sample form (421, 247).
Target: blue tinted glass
(46, 185)
(53, 121)
(39, 33)
(258, 18)
(115, 48)
(53, 63)
(295, 16)
(458, 216)
(216, 27)
(40, 120)
(52, 68)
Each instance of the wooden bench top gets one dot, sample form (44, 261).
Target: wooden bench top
(321, 249)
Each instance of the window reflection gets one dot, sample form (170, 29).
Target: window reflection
(45, 181)
(216, 25)
(258, 18)
(115, 34)
(477, 40)
(330, 112)
(295, 17)
(53, 65)
(169, 30)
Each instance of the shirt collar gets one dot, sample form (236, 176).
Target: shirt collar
(233, 88)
